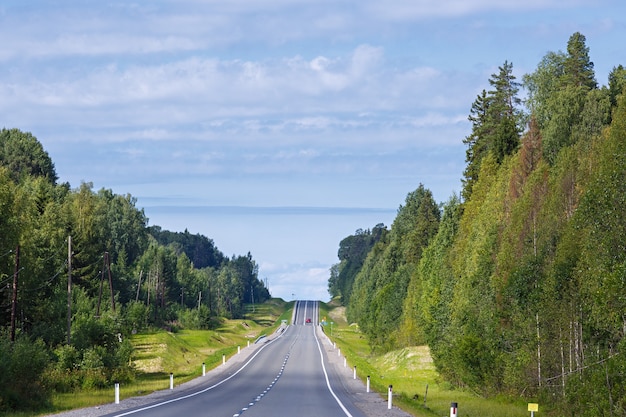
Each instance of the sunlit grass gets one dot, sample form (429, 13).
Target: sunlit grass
(182, 353)
(410, 371)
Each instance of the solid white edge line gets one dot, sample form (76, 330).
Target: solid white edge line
(173, 400)
(345, 410)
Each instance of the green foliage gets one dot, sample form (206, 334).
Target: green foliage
(521, 289)
(558, 91)
(352, 253)
(199, 249)
(565, 107)
(196, 318)
(123, 278)
(21, 367)
(24, 156)
(496, 125)
(380, 287)
(617, 83)
(137, 315)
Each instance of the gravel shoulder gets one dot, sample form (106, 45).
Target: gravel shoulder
(372, 404)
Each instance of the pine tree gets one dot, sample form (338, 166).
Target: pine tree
(476, 143)
(578, 66)
(617, 84)
(503, 112)
(496, 121)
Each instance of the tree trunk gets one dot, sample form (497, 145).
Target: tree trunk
(538, 352)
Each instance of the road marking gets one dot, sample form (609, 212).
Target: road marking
(345, 410)
(173, 400)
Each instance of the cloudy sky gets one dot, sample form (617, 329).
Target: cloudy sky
(275, 127)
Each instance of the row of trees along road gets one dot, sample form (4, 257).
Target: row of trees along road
(517, 285)
(125, 276)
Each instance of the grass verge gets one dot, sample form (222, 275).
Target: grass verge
(417, 387)
(182, 353)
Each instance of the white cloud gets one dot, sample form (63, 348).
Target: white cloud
(350, 91)
(365, 59)
(272, 102)
(300, 281)
(437, 119)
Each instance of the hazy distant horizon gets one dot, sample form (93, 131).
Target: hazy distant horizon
(294, 247)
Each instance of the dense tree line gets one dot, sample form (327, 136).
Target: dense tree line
(125, 277)
(519, 287)
(199, 249)
(352, 253)
(380, 287)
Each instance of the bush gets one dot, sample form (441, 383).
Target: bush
(22, 365)
(125, 374)
(137, 315)
(67, 358)
(195, 319)
(58, 380)
(94, 379)
(123, 354)
(93, 358)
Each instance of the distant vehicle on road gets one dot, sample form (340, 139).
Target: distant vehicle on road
(308, 320)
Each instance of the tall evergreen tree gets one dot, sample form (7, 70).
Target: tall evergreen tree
(504, 112)
(578, 67)
(476, 143)
(617, 83)
(558, 91)
(496, 124)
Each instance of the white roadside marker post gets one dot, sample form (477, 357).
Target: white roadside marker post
(454, 410)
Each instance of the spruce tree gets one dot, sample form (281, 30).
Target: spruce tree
(496, 121)
(578, 67)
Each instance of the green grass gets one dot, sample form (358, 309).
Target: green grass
(159, 353)
(410, 371)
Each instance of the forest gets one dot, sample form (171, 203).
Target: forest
(518, 284)
(81, 270)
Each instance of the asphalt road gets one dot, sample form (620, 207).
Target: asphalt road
(286, 376)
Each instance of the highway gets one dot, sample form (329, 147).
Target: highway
(287, 375)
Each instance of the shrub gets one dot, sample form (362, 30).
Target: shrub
(93, 358)
(94, 379)
(67, 358)
(137, 315)
(196, 319)
(22, 364)
(58, 380)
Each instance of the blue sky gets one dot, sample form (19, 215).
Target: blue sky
(276, 127)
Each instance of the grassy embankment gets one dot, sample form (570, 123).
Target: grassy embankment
(182, 353)
(410, 371)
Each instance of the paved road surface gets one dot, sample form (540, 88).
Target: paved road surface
(296, 372)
